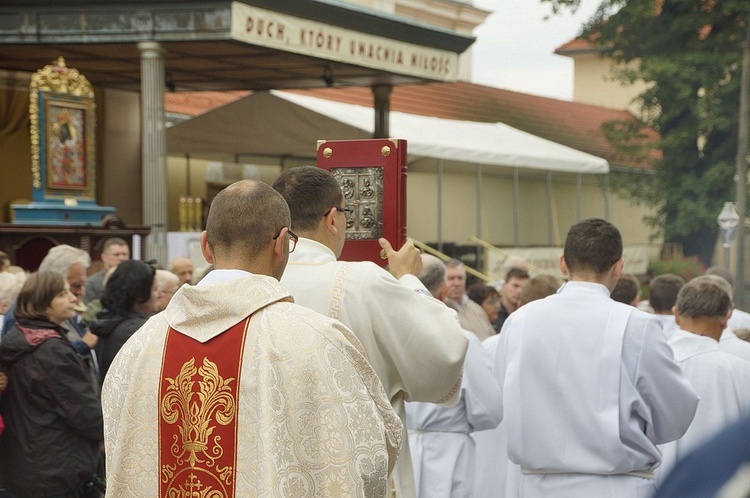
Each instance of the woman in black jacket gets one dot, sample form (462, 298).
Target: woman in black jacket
(130, 297)
(52, 440)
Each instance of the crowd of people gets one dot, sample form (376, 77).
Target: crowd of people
(286, 372)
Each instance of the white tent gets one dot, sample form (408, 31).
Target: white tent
(285, 124)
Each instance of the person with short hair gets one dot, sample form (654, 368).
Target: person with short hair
(235, 390)
(510, 295)
(470, 314)
(702, 310)
(183, 268)
(114, 251)
(539, 287)
(662, 296)
(590, 387)
(51, 444)
(627, 290)
(487, 297)
(413, 342)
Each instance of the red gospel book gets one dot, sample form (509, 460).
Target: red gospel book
(372, 175)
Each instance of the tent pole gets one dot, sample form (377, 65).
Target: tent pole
(440, 205)
(516, 209)
(382, 97)
(579, 208)
(479, 212)
(550, 231)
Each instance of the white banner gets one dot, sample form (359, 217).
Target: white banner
(545, 259)
(302, 36)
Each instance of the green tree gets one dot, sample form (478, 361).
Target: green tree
(690, 51)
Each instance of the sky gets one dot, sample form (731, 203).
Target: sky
(515, 46)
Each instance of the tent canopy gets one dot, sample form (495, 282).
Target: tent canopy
(283, 124)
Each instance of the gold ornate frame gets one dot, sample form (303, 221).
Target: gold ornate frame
(63, 134)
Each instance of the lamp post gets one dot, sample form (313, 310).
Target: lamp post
(728, 220)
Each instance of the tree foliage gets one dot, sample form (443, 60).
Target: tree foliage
(690, 52)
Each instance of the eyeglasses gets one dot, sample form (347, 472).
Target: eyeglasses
(293, 238)
(340, 209)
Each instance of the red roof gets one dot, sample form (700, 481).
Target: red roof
(573, 124)
(575, 45)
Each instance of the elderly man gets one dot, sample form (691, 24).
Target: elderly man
(114, 251)
(183, 268)
(702, 310)
(234, 390)
(470, 314)
(413, 341)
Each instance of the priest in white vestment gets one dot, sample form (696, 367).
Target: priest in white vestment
(590, 387)
(442, 449)
(413, 341)
(721, 379)
(235, 391)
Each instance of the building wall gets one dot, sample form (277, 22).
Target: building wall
(593, 84)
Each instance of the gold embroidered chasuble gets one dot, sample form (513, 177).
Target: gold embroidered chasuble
(308, 414)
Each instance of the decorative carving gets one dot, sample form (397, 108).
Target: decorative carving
(363, 193)
(327, 152)
(386, 151)
(199, 413)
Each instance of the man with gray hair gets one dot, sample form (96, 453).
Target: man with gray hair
(703, 308)
(442, 450)
(470, 314)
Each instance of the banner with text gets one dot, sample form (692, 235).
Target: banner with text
(302, 36)
(545, 259)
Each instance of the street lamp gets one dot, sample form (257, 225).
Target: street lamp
(728, 220)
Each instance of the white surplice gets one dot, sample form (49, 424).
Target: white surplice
(669, 325)
(312, 417)
(590, 388)
(413, 341)
(722, 381)
(442, 450)
(739, 320)
(730, 343)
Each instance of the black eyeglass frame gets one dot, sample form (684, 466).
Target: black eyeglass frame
(293, 238)
(344, 210)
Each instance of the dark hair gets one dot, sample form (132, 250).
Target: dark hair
(518, 273)
(37, 294)
(592, 245)
(129, 285)
(662, 294)
(113, 241)
(480, 292)
(246, 215)
(309, 192)
(626, 289)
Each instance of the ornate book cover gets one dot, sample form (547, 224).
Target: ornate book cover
(372, 175)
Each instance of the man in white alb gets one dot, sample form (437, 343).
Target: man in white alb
(413, 341)
(590, 386)
(235, 391)
(442, 449)
(729, 342)
(662, 296)
(721, 379)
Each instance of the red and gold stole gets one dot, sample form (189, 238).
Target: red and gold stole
(198, 414)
